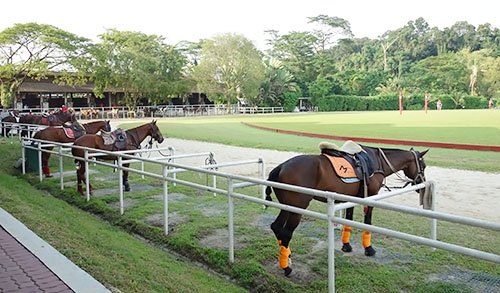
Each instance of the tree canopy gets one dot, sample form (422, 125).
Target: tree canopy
(326, 59)
(34, 50)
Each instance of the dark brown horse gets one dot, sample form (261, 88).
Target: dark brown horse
(66, 134)
(56, 119)
(316, 171)
(134, 138)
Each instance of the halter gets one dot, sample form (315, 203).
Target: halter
(420, 172)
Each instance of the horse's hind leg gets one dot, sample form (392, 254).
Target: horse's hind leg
(346, 231)
(283, 235)
(126, 185)
(79, 176)
(367, 236)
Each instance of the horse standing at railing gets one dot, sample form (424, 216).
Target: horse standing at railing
(125, 140)
(67, 134)
(317, 172)
(56, 119)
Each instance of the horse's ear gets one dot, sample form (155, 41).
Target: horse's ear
(154, 121)
(423, 153)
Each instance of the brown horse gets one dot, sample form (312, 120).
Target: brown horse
(134, 138)
(67, 134)
(316, 171)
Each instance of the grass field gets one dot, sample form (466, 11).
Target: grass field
(130, 265)
(471, 127)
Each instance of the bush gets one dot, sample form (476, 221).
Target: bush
(391, 102)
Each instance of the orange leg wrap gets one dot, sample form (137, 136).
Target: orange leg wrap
(283, 257)
(346, 234)
(367, 239)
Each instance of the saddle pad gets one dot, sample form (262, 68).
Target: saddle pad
(342, 167)
(69, 132)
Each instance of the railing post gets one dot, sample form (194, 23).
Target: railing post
(40, 174)
(165, 199)
(87, 177)
(120, 182)
(433, 208)
(331, 245)
(231, 219)
(262, 168)
(23, 156)
(172, 160)
(61, 171)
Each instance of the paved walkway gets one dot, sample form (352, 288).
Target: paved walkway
(29, 264)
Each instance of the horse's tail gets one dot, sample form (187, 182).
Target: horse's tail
(273, 176)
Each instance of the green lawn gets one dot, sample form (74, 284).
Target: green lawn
(114, 257)
(471, 127)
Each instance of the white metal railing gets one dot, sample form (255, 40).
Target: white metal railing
(17, 128)
(235, 181)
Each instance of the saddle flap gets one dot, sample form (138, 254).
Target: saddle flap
(342, 167)
(118, 138)
(69, 132)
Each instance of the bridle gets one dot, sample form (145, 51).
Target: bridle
(420, 170)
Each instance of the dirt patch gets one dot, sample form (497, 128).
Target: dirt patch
(171, 196)
(127, 203)
(475, 281)
(174, 219)
(220, 239)
(459, 192)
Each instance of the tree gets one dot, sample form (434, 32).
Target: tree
(230, 68)
(277, 82)
(443, 74)
(140, 65)
(34, 50)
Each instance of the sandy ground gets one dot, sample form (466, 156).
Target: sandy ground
(468, 193)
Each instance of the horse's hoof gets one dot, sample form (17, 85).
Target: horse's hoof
(346, 247)
(287, 271)
(127, 188)
(369, 251)
(49, 175)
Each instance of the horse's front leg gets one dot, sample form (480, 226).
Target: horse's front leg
(126, 185)
(346, 231)
(367, 236)
(79, 176)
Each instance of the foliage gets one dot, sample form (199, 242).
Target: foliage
(290, 100)
(33, 50)
(140, 65)
(231, 67)
(278, 81)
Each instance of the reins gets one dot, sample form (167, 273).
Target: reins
(405, 179)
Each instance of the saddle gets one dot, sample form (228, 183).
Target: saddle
(74, 130)
(117, 138)
(350, 162)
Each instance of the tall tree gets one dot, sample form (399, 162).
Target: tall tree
(34, 50)
(277, 82)
(140, 65)
(230, 68)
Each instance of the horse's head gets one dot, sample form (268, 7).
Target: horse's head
(416, 167)
(106, 126)
(65, 117)
(155, 132)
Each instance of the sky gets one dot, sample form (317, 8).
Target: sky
(193, 20)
